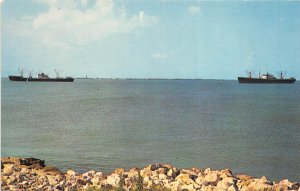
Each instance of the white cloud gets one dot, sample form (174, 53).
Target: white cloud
(79, 22)
(84, 2)
(1, 1)
(194, 10)
(159, 56)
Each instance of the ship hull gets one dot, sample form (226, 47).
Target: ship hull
(50, 80)
(17, 78)
(22, 79)
(266, 81)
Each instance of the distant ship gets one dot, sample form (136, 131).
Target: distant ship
(266, 78)
(40, 78)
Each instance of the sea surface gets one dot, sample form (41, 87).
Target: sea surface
(252, 129)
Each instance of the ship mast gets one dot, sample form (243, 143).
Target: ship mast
(21, 72)
(281, 74)
(57, 73)
(30, 74)
(249, 73)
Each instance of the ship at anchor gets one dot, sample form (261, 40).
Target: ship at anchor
(41, 77)
(267, 78)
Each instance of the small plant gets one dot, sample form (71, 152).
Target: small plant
(121, 184)
(93, 188)
(158, 187)
(139, 183)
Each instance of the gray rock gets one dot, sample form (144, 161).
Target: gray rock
(156, 166)
(33, 162)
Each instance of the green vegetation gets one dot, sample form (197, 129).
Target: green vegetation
(158, 187)
(138, 185)
(121, 184)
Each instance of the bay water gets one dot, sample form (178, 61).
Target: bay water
(106, 124)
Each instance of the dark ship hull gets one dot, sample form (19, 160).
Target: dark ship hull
(50, 79)
(19, 78)
(269, 81)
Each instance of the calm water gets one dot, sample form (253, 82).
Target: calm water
(106, 124)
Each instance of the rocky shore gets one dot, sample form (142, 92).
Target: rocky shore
(33, 174)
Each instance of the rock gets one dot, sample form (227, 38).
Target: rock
(71, 173)
(162, 176)
(23, 174)
(259, 184)
(7, 174)
(208, 170)
(58, 187)
(226, 173)
(8, 169)
(212, 177)
(80, 182)
(5, 188)
(113, 180)
(99, 174)
(201, 181)
(24, 182)
(192, 174)
(232, 188)
(171, 173)
(119, 171)
(107, 187)
(264, 180)
(133, 172)
(287, 185)
(162, 170)
(295, 186)
(244, 177)
(4, 183)
(39, 187)
(62, 183)
(154, 167)
(10, 160)
(146, 172)
(184, 179)
(189, 187)
(89, 174)
(51, 170)
(197, 171)
(196, 186)
(156, 181)
(225, 183)
(154, 174)
(96, 181)
(25, 170)
(173, 185)
(33, 162)
(168, 166)
(208, 188)
(53, 181)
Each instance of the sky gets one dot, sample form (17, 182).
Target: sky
(150, 38)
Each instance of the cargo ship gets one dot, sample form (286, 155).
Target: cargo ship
(266, 78)
(41, 77)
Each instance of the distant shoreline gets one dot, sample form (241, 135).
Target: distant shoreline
(146, 79)
(83, 78)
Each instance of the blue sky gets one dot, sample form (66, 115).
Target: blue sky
(150, 38)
